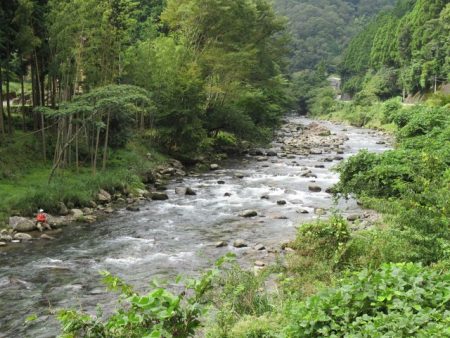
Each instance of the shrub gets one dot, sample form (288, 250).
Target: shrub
(400, 300)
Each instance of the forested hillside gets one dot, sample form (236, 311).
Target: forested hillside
(404, 50)
(321, 29)
(82, 80)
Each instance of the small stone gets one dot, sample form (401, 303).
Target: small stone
(2, 244)
(319, 166)
(227, 194)
(103, 196)
(133, 208)
(77, 213)
(314, 188)
(22, 237)
(338, 158)
(239, 175)
(319, 211)
(261, 159)
(62, 209)
(260, 247)
(329, 190)
(381, 142)
(281, 202)
(47, 237)
(260, 263)
(15, 241)
(248, 213)
(240, 243)
(159, 196)
(271, 153)
(353, 217)
(302, 211)
(265, 197)
(190, 192)
(220, 182)
(315, 152)
(220, 244)
(214, 166)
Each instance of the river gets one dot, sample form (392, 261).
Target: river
(168, 238)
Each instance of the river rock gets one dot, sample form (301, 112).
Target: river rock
(90, 219)
(190, 192)
(62, 209)
(320, 166)
(271, 153)
(220, 244)
(240, 243)
(21, 224)
(281, 202)
(88, 211)
(259, 247)
(133, 208)
(47, 237)
(159, 196)
(2, 244)
(302, 211)
(239, 175)
(214, 166)
(22, 237)
(314, 188)
(260, 263)
(353, 217)
(227, 194)
(338, 158)
(5, 238)
(248, 213)
(315, 152)
(256, 152)
(220, 182)
(103, 196)
(319, 211)
(77, 213)
(265, 197)
(261, 158)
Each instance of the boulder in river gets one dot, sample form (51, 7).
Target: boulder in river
(256, 152)
(220, 182)
(240, 243)
(133, 208)
(248, 213)
(47, 237)
(190, 192)
(2, 244)
(302, 211)
(281, 202)
(239, 175)
(259, 247)
(159, 196)
(214, 166)
(353, 217)
(21, 224)
(220, 244)
(227, 194)
(271, 153)
(22, 237)
(265, 197)
(314, 188)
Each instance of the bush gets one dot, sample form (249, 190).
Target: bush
(400, 300)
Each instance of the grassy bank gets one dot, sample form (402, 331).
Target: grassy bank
(24, 185)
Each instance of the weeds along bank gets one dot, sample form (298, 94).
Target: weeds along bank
(390, 280)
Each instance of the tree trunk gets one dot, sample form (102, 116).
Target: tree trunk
(22, 93)
(2, 121)
(76, 148)
(94, 167)
(8, 107)
(44, 148)
(105, 147)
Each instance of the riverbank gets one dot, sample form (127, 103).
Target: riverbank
(180, 235)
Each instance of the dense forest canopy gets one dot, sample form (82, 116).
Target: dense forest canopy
(321, 29)
(407, 48)
(210, 66)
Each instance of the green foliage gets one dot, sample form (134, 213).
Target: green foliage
(398, 299)
(154, 314)
(412, 39)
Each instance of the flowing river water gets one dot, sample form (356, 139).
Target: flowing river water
(168, 238)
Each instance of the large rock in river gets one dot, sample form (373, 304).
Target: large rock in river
(248, 213)
(159, 196)
(22, 237)
(21, 224)
(103, 196)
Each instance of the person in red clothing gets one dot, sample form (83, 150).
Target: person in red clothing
(41, 220)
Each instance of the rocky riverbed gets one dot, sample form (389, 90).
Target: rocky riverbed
(179, 224)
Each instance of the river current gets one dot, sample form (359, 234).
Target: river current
(168, 238)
